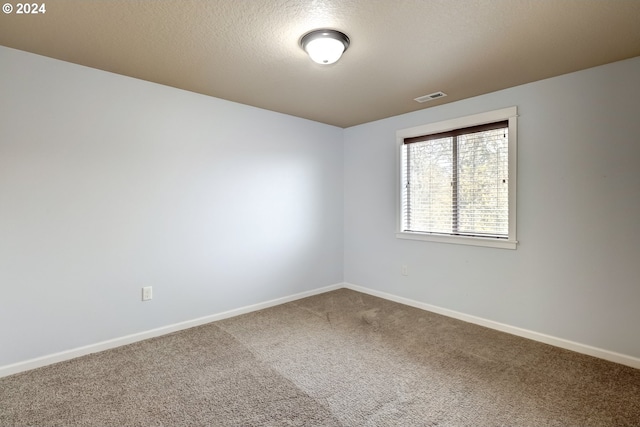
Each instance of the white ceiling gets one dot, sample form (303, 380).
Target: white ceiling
(247, 50)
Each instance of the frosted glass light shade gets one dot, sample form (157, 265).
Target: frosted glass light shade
(325, 46)
(325, 51)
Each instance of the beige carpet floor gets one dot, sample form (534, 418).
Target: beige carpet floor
(338, 359)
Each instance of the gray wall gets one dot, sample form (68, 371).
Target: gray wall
(108, 184)
(576, 272)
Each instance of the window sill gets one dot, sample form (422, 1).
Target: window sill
(460, 240)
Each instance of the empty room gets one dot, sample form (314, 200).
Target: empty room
(320, 213)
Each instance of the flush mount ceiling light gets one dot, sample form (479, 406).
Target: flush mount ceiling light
(325, 46)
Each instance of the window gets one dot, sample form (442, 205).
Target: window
(457, 180)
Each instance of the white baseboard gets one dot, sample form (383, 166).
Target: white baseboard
(611, 356)
(129, 339)
(26, 365)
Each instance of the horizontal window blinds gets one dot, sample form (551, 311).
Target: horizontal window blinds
(455, 132)
(456, 182)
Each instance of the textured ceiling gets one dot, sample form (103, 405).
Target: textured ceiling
(247, 50)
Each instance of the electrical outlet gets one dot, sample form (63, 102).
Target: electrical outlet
(147, 293)
(404, 270)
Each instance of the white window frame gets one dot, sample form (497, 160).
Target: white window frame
(510, 114)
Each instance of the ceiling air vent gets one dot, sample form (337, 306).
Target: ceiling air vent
(430, 97)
